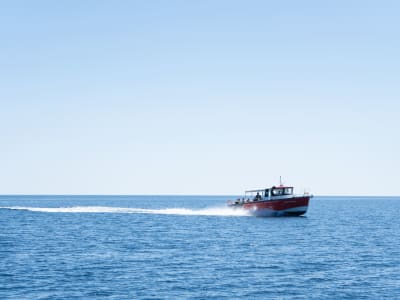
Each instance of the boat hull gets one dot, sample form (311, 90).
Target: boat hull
(295, 206)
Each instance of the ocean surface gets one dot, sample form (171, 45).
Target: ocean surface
(192, 247)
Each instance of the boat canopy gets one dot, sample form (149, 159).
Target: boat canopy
(275, 191)
(256, 191)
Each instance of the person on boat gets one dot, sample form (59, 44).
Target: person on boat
(258, 197)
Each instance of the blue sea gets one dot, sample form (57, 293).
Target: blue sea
(192, 247)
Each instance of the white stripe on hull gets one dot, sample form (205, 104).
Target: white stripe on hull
(266, 212)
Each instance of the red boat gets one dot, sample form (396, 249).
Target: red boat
(273, 202)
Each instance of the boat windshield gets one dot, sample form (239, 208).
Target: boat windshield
(288, 191)
(282, 191)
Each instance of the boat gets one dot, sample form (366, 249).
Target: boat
(273, 202)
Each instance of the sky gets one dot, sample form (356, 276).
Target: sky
(199, 97)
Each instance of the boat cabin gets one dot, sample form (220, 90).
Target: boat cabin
(266, 194)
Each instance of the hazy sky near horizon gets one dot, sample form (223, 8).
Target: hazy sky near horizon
(199, 97)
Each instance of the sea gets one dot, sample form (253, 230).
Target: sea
(194, 247)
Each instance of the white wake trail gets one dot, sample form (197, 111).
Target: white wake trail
(212, 211)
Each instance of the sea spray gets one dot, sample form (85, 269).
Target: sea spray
(210, 211)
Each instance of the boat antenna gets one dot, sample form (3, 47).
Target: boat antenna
(280, 180)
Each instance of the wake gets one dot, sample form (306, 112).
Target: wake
(212, 211)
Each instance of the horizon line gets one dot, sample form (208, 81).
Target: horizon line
(199, 195)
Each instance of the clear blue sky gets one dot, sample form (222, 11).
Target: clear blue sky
(199, 97)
